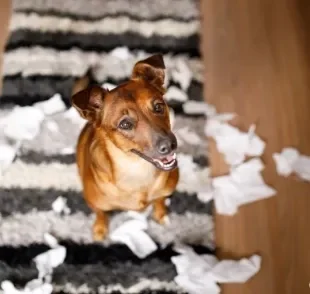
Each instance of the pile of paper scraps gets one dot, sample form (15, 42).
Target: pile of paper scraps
(45, 263)
(243, 184)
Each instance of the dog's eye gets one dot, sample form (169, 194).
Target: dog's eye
(159, 108)
(125, 124)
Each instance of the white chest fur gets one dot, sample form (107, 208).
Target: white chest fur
(135, 175)
(132, 173)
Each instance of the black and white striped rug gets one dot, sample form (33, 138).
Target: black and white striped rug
(52, 43)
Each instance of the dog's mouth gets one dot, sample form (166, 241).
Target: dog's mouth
(166, 163)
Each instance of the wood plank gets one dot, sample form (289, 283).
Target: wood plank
(257, 63)
(5, 16)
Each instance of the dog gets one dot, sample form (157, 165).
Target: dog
(126, 153)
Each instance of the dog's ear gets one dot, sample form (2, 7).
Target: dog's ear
(152, 70)
(89, 102)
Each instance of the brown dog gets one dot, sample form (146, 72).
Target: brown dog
(126, 152)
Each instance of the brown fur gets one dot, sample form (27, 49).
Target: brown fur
(113, 177)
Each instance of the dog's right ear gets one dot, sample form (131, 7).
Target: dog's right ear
(89, 102)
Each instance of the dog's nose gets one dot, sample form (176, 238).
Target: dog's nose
(166, 146)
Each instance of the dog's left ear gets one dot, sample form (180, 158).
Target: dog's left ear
(152, 70)
(89, 102)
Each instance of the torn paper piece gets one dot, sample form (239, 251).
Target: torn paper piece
(182, 74)
(168, 202)
(193, 107)
(23, 123)
(193, 179)
(184, 262)
(174, 93)
(166, 79)
(73, 115)
(234, 144)
(291, 161)
(236, 271)
(196, 285)
(285, 161)
(200, 274)
(52, 126)
(47, 261)
(108, 86)
(243, 185)
(141, 215)
(302, 167)
(198, 107)
(67, 150)
(206, 195)
(256, 145)
(171, 117)
(132, 233)
(60, 206)
(122, 53)
(7, 155)
(188, 136)
(224, 117)
(51, 106)
(33, 287)
(50, 240)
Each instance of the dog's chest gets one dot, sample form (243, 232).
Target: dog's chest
(135, 175)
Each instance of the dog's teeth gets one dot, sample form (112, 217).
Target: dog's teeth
(174, 156)
(160, 162)
(169, 164)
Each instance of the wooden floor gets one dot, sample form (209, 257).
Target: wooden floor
(5, 16)
(257, 62)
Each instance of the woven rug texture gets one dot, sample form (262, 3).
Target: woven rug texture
(52, 43)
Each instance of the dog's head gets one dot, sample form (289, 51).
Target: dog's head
(134, 115)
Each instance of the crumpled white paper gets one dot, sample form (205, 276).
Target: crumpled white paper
(186, 135)
(181, 74)
(23, 123)
(108, 86)
(193, 107)
(50, 240)
(193, 179)
(132, 234)
(291, 161)
(199, 107)
(174, 93)
(200, 274)
(243, 185)
(171, 117)
(7, 155)
(73, 116)
(122, 53)
(51, 106)
(60, 206)
(45, 263)
(52, 126)
(234, 144)
(33, 287)
(68, 150)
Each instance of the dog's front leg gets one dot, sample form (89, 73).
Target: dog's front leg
(160, 211)
(100, 226)
(95, 201)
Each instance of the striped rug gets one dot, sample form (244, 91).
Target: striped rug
(53, 43)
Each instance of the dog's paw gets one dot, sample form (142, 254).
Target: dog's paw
(165, 220)
(99, 232)
(162, 219)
